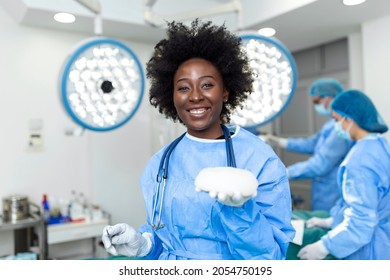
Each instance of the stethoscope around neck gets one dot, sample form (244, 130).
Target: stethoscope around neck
(162, 174)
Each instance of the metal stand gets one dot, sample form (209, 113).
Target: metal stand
(23, 234)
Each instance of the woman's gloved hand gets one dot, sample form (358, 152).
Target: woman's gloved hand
(319, 222)
(274, 140)
(315, 251)
(230, 186)
(122, 239)
(236, 199)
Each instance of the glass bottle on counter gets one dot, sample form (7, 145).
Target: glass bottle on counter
(45, 208)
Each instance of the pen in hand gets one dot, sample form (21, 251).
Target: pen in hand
(109, 237)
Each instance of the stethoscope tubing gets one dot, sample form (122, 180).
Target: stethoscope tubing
(162, 174)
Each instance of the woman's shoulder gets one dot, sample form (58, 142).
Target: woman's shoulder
(371, 150)
(369, 145)
(253, 151)
(254, 154)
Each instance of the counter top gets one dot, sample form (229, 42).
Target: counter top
(59, 233)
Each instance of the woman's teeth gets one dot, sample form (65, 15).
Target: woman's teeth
(198, 111)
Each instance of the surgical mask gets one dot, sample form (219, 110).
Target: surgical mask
(321, 110)
(341, 132)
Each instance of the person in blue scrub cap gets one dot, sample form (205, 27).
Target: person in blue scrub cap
(326, 150)
(360, 221)
(198, 75)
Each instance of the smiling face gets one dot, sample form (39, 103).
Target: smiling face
(198, 96)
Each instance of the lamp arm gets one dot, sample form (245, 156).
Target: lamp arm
(92, 5)
(95, 7)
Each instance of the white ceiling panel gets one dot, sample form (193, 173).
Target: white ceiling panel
(300, 24)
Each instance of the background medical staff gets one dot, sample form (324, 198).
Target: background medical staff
(360, 220)
(326, 149)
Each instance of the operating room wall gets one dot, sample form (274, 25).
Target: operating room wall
(104, 166)
(30, 63)
(376, 61)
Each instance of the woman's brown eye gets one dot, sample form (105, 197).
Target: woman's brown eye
(182, 88)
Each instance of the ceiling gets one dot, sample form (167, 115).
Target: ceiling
(300, 24)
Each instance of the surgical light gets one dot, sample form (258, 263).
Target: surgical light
(275, 81)
(102, 84)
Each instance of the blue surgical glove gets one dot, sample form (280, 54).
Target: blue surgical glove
(315, 251)
(122, 239)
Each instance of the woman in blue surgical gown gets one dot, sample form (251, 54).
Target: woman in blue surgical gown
(198, 76)
(360, 221)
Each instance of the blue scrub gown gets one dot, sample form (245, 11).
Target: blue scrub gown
(361, 225)
(200, 227)
(328, 151)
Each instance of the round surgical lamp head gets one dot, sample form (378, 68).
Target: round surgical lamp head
(275, 81)
(101, 84)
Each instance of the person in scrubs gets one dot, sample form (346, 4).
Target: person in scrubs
(198, 75)
(326, 150)
(360, 221)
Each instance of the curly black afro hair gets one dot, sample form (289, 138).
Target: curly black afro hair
(201, 40)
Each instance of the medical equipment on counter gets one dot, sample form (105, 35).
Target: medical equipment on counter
(16, 208)
(162, 175)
